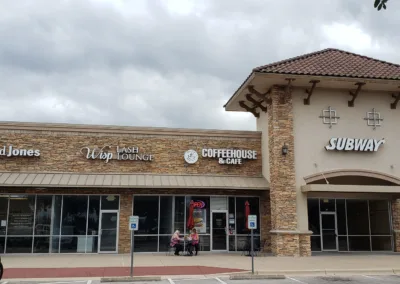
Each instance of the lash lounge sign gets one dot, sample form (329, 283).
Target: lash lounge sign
(354, 144)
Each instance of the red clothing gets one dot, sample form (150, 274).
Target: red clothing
(195, 239)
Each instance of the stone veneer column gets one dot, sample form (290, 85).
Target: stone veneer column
(125, 210)
(286, 240)
(265, 222)
(396, 224)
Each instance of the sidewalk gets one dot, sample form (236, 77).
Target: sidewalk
(105, 265)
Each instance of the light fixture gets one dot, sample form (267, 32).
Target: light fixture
(284, 149)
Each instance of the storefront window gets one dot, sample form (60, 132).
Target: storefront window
(361, 225)
(241, 217)
(201, 213)
(179, 219)
(74, 216)
(146, 207)
(109, 202)
(166, 215)
(52, 223)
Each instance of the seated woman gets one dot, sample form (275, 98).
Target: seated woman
(175, 239)
(195, 241)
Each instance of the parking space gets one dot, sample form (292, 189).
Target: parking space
(359, 279)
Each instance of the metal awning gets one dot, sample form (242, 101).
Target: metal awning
(350, 188)
(8, 179)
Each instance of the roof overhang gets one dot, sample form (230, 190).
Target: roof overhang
(92, 180)
(262, 82)
(350, 188)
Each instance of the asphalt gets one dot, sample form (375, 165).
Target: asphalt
(356, 279)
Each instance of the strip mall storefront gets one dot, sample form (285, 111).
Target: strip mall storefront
(72, 188)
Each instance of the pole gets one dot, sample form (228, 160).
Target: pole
(252, 253)
(132, 248)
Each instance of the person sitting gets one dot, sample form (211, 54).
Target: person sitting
(175, 239)
(194, 241)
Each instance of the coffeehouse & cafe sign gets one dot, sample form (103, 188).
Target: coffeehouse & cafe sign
(108, 153)
(229, 156)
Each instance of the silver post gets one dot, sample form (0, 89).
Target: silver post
(132, 248)
(252, 253)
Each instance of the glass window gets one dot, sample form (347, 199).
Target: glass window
(201, 213)
(55, 244)
(179, 222)
(3, 215)
(19, 244)
(74, 216)
(240, 214)
(92, 244)
(109, 202)
(315, 243)
(327, 205)
(57, 214)
(146, 243)
(2, 244)
(166, 210)
(341, 217)
(313, 216)
(73, 244)
(93, 217)
(21, 215)
(357, 217)
(41, 245)
(359, 243)
(146, 207)
(379, 217)
(43, 215)
(381, 243)
(342, 243)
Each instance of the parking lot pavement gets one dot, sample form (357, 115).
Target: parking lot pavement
(359, 279)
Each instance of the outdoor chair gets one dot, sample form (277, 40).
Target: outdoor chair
(170, 250)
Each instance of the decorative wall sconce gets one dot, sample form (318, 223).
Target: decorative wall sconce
(284, 149)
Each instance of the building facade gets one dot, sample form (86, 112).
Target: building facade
(72, 188)
(329, 138)
(321, 172)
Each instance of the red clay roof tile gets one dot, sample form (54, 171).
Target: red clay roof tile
(334, 62)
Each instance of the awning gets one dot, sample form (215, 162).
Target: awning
(350, 188)
(131, 181)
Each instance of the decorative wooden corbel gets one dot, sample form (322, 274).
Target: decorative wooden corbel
(263, 97)
(256, 103)
(355, 94)
(397, 99)
(249, 109)
(310, 92)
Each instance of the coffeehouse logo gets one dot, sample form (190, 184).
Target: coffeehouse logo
(12, 151)
(352, 144)
(108, 153)
(224, 156)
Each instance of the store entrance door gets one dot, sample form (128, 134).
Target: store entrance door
(219, 229)
(109, 221)
(329, 231)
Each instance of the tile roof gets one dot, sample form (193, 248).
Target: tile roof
(334, 62)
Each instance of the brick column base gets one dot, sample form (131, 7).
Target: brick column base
(290, 244)
(396, 224)
(125, 210)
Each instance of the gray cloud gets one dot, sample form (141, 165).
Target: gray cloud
(138, 63)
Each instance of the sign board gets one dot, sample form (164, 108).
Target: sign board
(133, 223)
(252, 222)
(12, 151)
(353, 144)
(108, 152)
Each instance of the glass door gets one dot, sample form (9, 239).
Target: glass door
(329, 231)
(219, 230)
(108, 231)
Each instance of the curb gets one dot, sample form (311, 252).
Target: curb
(131, 279)
(386, 271)
(255, 277)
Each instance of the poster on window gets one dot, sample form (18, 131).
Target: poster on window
(200, 220)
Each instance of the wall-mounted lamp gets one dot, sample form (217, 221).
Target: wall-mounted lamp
(284, 149)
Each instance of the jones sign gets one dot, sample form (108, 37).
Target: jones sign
(352, 144)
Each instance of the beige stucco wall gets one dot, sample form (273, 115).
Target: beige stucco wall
(311, 136)
(262, 125)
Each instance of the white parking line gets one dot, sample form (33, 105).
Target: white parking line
(89, 282)
(293, 279)
(220, 281)
(170, 281)
(370, 277)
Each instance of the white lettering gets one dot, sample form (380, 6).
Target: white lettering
(351, 144)
(121, 154)
(11, 151)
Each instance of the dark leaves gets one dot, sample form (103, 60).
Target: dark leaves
(379, 4)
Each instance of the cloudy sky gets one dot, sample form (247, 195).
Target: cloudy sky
(171, 63)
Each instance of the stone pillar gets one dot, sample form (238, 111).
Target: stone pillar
(396, 224)
(265, 212)
(125, 210)
(286, 239)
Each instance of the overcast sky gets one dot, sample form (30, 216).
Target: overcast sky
(171, 63)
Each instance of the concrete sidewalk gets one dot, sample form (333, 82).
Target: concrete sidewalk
(321, 264)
